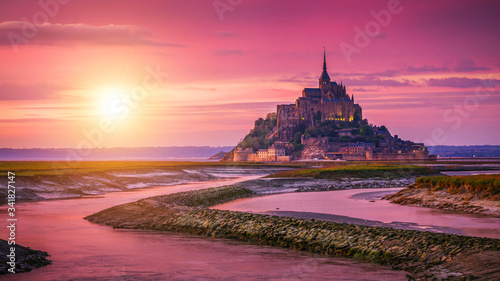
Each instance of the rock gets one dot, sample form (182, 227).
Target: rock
(26, 259)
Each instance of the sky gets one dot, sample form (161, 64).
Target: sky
(104, 73)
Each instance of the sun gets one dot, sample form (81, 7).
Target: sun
(110, 101)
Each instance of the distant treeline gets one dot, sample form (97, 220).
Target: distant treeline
(465, 151)
(118, 153)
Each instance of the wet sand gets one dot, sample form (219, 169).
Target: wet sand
(364, 206)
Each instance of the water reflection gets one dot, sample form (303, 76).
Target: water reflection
(363, 204)
(84, 251)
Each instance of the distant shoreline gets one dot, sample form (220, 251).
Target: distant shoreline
(175, 159)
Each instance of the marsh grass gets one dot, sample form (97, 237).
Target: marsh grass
(481, 186)
(62, 168)
(357, 171)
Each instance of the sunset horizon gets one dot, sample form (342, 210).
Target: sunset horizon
(420, 68)
(250, 140)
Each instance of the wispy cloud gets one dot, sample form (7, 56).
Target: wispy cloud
(226, 106)
(373, 81)
(68, 34)
(467, 65)
(385, 73)
(29, 92)
(427, 68)
(29, 120)
(225, 34)
(362, 90)
(461, 82)
(237, 52)
(199, 88)
(303, 77)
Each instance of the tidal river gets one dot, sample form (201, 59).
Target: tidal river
(366, 204)
(81, 250)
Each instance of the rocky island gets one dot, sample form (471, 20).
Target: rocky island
(324, 123)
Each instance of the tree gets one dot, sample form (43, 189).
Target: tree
(297, 137)
(366, 130)
(345, 139)
(310, 132)
(259, 122)
(359, 138)
(376, 141)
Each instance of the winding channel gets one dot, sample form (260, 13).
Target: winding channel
(356, 205)
(81, 250)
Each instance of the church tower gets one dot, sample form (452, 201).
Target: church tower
(324, 79)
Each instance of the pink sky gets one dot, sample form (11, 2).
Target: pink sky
(430, 73)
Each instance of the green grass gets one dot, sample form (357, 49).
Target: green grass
(482, 186)
(33, 168)
(357, 171)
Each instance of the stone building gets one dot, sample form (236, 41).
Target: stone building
(360, 148)
(329, 101)
(275, 152)
(241, 155)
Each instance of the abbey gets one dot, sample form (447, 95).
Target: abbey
(329, 101)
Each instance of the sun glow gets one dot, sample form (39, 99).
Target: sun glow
(111, 100)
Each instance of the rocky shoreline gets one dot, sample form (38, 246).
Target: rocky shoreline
(445, 201)
(478, 194)
(281, 185)
(372, 223)
(39, 187)
(424, 255)
(26, 259)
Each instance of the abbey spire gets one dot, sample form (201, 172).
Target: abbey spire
(324, 79)
(324, 59)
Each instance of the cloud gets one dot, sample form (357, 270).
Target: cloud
(224, 34)
(226, 106)
(362, 90)
(387, 105)
(29, 120)
(60, 34)
(427, 68)
(373, 81)
(50, 107)
(467, 65)
(28, 92)
(303, 77)
(462, 82)
(199, 89)
(365, 79)
(385, 73)
(229, 52)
